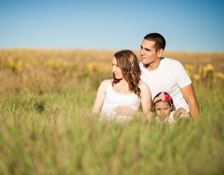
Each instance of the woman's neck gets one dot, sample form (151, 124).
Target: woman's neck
(123, 82)
(122, 86)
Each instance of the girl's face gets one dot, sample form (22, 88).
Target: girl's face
(116, 69)
(162, 109)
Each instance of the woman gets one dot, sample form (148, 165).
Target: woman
(121, 97)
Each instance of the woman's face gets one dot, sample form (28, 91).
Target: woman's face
(162, 109)
(116, 69)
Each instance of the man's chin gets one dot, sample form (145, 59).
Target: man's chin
(146, 65)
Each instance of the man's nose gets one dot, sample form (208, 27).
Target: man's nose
(142, 52)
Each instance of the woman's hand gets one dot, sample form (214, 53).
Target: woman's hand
(124, 110)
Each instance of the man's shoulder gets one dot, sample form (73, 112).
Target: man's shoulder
(170, 61)
(165, 64)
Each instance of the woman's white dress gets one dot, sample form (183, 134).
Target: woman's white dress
(114, 99)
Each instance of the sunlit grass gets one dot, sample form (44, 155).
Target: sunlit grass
(46, 126)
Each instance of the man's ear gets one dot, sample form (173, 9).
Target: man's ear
(160, 52)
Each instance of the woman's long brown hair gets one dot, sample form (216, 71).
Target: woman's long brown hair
(129, 65)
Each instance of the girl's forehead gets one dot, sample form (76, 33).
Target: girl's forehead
(162, 103)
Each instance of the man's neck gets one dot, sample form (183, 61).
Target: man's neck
(154, 65)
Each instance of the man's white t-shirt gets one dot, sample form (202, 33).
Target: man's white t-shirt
(170, 76)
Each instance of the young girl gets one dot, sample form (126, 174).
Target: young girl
(119, 98)
(165, 110)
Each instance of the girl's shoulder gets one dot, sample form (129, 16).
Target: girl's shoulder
(171, 119)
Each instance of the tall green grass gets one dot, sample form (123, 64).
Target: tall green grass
(55, 133)
(46, 126)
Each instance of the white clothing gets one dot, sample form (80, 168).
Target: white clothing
(114, 99)
(170, 76)
(170, 119)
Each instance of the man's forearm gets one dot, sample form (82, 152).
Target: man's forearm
(194, 110)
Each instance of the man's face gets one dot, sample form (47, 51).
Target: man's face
(149, 54)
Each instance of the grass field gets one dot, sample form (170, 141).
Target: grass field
(46, 126)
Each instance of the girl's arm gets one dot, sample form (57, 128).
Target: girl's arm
(100, 97)
(179, 112)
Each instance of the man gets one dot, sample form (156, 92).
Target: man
(164, 74)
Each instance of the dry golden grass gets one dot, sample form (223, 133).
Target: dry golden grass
(46, 70)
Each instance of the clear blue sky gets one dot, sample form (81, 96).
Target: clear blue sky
(188, 25)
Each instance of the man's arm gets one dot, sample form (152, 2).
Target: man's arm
(189, 95)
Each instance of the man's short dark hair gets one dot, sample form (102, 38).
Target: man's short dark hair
(160, 42)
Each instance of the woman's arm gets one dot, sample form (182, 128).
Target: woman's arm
(100, 97)
(146, 101)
